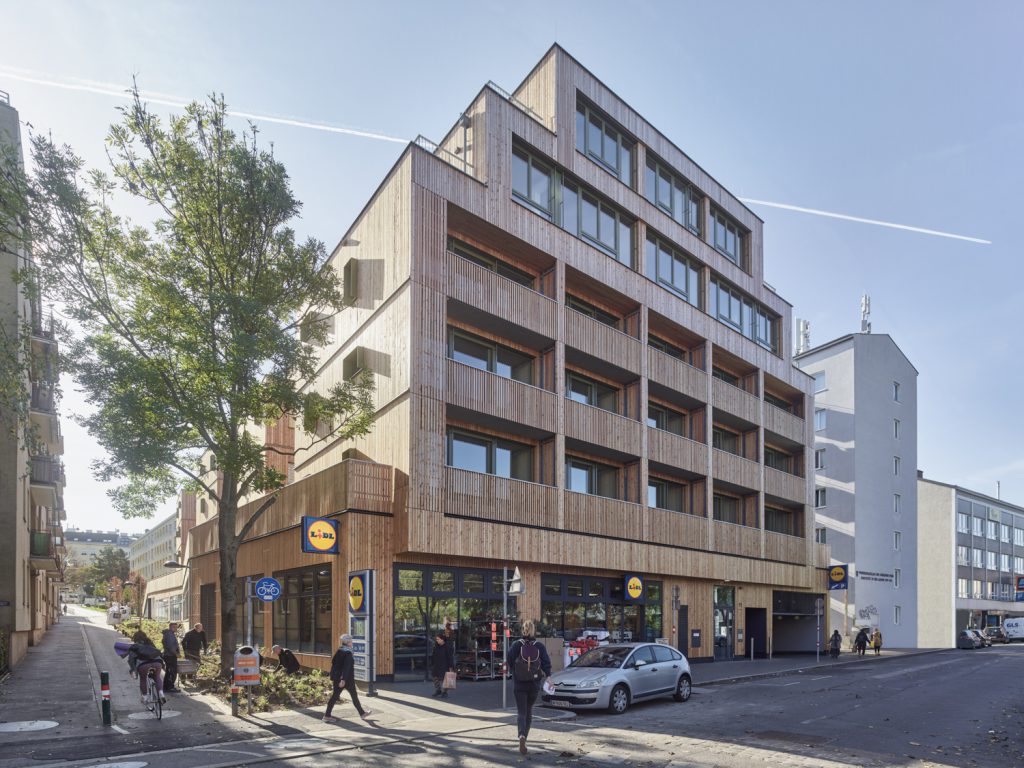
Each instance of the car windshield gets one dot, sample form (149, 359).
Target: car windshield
(608, 657)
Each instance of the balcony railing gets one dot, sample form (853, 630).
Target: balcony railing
(734, 539)
(602, 341)
(783, 423)
(501, 297)
(43, 399)
(785, 486)
(47, 471)
(676, 451)
(736, 401)
(789, 549)
(677, 529)
(676, 375)
(735, 469)
(501, 499)
(498, 396)
(600, 427)
(40, 544)
(458, 161)
(598, 515)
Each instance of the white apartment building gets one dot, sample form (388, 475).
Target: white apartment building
(865, 466)
(151, 550)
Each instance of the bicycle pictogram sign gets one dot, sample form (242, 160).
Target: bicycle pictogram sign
(267, 589)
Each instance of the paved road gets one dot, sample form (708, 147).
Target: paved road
(897, 711)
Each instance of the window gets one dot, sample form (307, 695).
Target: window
(588, 309)
(963, 523)
(896, 428)
(350, 280)
(1004, 533)
(962, 555)
(355, 363)
(819, 458)
(663, 346)
(302, 615)
(666, 419)
(896, 574)
(992, 529)
(726, 376)
(778, 402)
(590, 477)
(821, 535)
(489, 356)
(490, 455)
(820, 419)
(743, 314)
(820, 383)
(782, 521)
(990, 561)
(1018, 565)
(977, 526)
(895, 465)
(724, 440)
(672, 270)
(531, 181)
(603, 143)
(1018, 537)
(976, 587)
(896, 391)
(590, 392)
(897, 506)
(897, 540)
(664, 494)
(961, 588)
(487, 261)
(820, 498)
(1004, 563)
(728, 239)
(778, 460)
(897, 612)
(726, 509)
(977, 558)
(672, 194)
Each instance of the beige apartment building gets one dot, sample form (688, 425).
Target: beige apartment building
(580, 372)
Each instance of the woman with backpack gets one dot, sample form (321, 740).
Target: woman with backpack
(530, 665)
(142, 657)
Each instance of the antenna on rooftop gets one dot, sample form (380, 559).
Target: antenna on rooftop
(865, 314)
(803, 335)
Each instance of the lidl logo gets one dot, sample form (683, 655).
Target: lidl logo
(319, 536)
(634, 587)
(837, 577)
(356, 593)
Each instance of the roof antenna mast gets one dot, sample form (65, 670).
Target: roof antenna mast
(865, 314)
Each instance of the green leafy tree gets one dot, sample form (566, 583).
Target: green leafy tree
(188, 332)
(109, 563)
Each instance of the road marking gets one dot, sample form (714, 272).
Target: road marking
(119, 729)
(823, 677)
(813, 720)
(899, 672)
(786, 685)
(20, 726)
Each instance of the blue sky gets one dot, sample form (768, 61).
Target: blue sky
(911, 112)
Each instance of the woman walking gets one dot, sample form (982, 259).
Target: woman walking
(530, 665)
(876, 642)
(834, 643)
(442, 661)
(343, 675)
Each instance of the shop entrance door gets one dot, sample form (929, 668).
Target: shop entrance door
(625, 623)
(725, 622)
(683, 628)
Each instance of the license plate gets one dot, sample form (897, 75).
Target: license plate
(556, 703)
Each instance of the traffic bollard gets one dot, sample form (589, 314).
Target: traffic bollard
(105, 696)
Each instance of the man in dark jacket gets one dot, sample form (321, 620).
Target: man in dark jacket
(343, 675)
(442, 660)
(172, 650)
(530, 664)
(193, 641)
(286, 660)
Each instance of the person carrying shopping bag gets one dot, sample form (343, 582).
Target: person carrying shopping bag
(442, 662)
(530, 665)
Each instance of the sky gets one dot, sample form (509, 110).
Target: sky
(909, 112)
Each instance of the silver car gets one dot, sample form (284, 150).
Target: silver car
(614, 676)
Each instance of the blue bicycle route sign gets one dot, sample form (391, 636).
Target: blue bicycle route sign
(267, 589)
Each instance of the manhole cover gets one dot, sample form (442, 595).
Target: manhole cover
(150, 716)
(399, 749)
(27, 725)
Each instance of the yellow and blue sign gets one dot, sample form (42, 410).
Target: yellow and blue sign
(319, 536)
(356, 593)
(839, 577)
(633, 588)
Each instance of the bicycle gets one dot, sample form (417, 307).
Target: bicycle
(152, 698)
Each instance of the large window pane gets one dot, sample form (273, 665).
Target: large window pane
(540, 186)
(470, 352)
(520, 173)
(469, 453)
(578, 477)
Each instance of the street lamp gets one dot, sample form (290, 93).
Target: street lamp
(187, 581)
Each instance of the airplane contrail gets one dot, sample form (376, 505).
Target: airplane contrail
(113, 89)
(875, 222)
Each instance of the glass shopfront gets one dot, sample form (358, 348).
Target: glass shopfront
(430, 598)
(573, 606)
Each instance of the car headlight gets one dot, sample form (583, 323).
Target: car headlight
(593, 682)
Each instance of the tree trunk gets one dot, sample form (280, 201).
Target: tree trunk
(227, 514)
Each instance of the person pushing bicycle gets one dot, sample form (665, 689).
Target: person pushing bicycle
(143, 656)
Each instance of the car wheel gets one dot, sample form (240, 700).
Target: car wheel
(618, 702)
(683, 689)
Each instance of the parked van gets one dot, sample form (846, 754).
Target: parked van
(1014, 629)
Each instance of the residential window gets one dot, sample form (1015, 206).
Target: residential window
(819, 458)
(896, 577)
(820, 419)
(820, 498)
(897, 614)
(726, 376)
(490, 455)
(664, 494)
(897, 506)
(896, 428)
(726, 509)
(724, 440)
(821, 535)
(897, 540)
(663, 346)
(302, 615)
(728, 239)
(673, 195)
(961, 588)
(590, 392)
(603, 143)
(778, 460)
(896, 391)
(742, 313)
(1004, 563)
(605, 227)
(1004, 533)
(1018, 565)
(820, 382)
(531, 181)
(977, 526)
(672, 270)
(487, 261)
(590, 477)
(666, 419)
(1018, 537)
(990, 560)
(782, 521)
(977, 558)
(976, 587)
(963, 555)
(588, 309)
(992, 529)
(489, 356)
(778, 402)
(963, 523)
(895, 465)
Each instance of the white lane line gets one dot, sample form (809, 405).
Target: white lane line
(119, 729)
(911, 670)
(813, 720)
(823, 677)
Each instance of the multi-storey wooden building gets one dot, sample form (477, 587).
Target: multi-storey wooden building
(580, 372)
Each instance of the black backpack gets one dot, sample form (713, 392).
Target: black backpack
(526, 668)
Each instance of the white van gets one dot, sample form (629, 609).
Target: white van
(1014, 628)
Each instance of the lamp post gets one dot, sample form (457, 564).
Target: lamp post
(188, 584)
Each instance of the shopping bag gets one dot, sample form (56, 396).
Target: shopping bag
(449, 681)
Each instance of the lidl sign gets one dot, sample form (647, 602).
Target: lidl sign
(319, 536)
(838, 577)
(356, 593)
(634, 587)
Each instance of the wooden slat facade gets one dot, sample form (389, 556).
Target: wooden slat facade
(784, 485)
(676, 375)
(601, 341)
(782, 423)
(600, 427)
(494, 395)
(675, 451)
